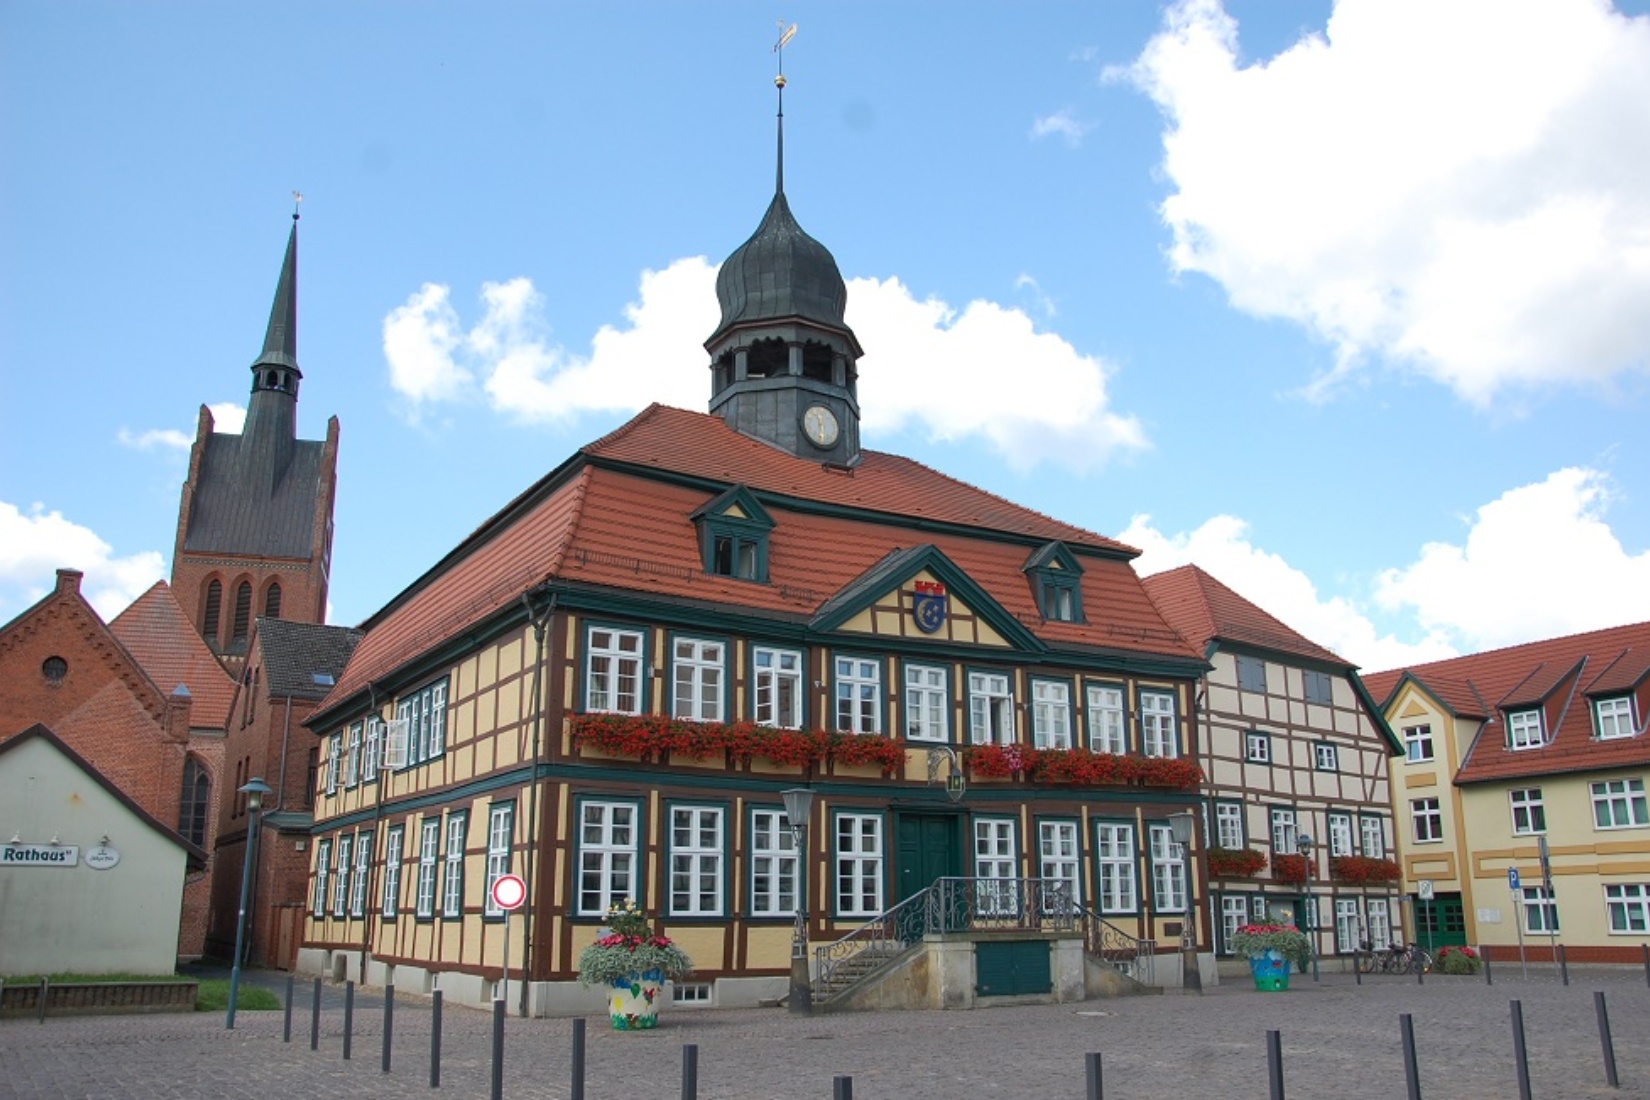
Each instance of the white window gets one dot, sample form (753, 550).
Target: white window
(1340, 835)
(1106, 730)
(778, 687)
(323, 864)
(1417, 743)
(358, 881)
(1229, 825)
(1524, 729)
(1619, 804)
(335, 749)
(858, 865)
(1157, 724)
(1251, 674)
(1168, 871)
(1114, 848)
(1529, 815)
(425, 712)
(1628, 907)
(696, 861)
(926, 704)
(1257, 748)
(501, 824)
(340, 877)
(1325, 757)
(1346, 925)
(696, 667)
(1283, 832)
(429, 840)
(990, 709)
(1540, 910)
(452, 870)
(1051, 714)
(773, 865)
(1428, 819)
(1058, 856)
(1234, 914)
(394, 841)
(858, 695)
(371, 749)
(996, 859)
(607, 855)
(1379, 915)
(1373, 837)
(613, 672)
(1615, 717)
(352, 757)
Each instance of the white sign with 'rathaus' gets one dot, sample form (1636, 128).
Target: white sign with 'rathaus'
(39, 855)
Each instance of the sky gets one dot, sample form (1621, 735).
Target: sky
(1344, 302)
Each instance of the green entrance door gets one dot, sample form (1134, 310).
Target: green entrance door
(926, 847)
(1441, 922)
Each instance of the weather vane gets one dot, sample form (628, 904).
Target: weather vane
(787, 34)
(297, 200)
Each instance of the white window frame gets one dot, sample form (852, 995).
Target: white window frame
(1426, 820)
(609, 846)
(340, 875)
(996, 858)
(452, 865)
(1524, 730)
(335, 750)
(1378, 920)
(1326, 757)
(774, 866)
(429, 847)
(698, 675)
(1257, 747)
(395, 840)
(425, 712)
(1285, 831)
(1168, 870)
(1060, 856)
(1117, 867)
(372, 749)
(776, 673)
(1627, 908)
(990, 708)
(1540, 911)
(1051, 714)
(614, 676)
(364, 843)
(1234, 914)
(1340, 834)
(1159, 735)
(696, 860)
(1619, 799)
(323, 867)
(352, 756)
(501, 838)
(858, 695)
(1418, 745)
(1229, 826)
(927, 703)
(1529, 811)
(1371, 836)
(1618, 722)
(1347, 924)
(1108, 727)
(858, 867)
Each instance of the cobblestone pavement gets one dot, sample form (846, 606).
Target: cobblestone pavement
(1339, 1040)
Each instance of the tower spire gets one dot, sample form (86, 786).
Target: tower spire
(779, 82)
(281, 337)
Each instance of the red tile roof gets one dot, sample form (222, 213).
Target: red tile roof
(627, 528)
(1611, 661)
(159, 636)
(1203, 610)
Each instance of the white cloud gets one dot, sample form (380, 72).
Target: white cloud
(1458, 187)
(226, 417)
(37, 543)
(928, 364)
(1063, 122)
(1537, 562)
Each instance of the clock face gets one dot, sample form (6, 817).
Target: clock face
(820, 425)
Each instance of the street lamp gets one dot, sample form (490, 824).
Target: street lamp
(1304, 843)
(1182, 823)
(254, 790)
(799, 802)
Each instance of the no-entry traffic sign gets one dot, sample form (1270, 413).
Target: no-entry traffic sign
(509, 891)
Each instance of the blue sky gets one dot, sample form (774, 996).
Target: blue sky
(1344, 302)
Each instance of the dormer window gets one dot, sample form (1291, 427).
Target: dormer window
(1524, 729)
(1056, 583)
(1615, 717)
(733, 536)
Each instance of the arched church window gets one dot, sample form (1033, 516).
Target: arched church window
(243, 611)
(209, 612)
(272, 601)
(192, 806)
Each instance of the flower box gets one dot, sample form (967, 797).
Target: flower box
(1362, 869)
(1289, 868)
(1080, 767)
(1235, 862)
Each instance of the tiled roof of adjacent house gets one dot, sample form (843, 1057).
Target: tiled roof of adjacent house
(159, 636)
(303, 660)
(616, 518)
(1563, 676)
(1203, 610)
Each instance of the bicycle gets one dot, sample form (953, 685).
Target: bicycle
(1393, 959)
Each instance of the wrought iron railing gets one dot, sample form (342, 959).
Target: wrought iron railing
(1109, 944)
(879, 939)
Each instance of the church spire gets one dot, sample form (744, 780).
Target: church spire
(272, 413)
(281, 337)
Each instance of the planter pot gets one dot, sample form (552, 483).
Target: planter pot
(633, 1001)
(1271, 971)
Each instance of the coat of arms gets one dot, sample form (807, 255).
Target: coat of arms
(928, 606)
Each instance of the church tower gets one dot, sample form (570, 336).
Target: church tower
(784, 363)
(255, 523)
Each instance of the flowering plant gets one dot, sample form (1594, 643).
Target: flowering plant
(1081, 767)
(1289, 868)
(630, 947)
(1235, 861)
(1358, 869)
(654, 735)
(1285, 939)
(1457, 960)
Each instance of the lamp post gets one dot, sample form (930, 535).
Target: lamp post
(254, 790)
(1304, 843)
(799, 802)
(1182, 825)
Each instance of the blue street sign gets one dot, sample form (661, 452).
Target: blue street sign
(1512, 878)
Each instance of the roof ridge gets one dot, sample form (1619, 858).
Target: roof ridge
(624, 429)
(1558, 638)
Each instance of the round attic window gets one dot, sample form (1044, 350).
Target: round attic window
(54, 668)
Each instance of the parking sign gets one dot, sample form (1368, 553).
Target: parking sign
(1512, 878)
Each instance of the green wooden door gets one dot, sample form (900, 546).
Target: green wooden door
(1004, 969)
(927, 847)
(1441, 922)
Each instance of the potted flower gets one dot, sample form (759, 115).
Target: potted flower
(634, 963)
(1270, 948)
(1457, 960)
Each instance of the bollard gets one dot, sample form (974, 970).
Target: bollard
(1412, 1072)
(435, 1039)
(1563, 965)
(576, 1092)
(1485, 955)
(315, 1018)
(349, 1016)
(842, 1087)
(1646, 949)
(1096, 1091)
(1357, 971)
(286, 1024)
(45, 988)
(1610, 1077)
(1420, 971)
(389, 1024)
(690, 1071)
(1274, 1063)
(498, 1048)
(1521, 1057)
